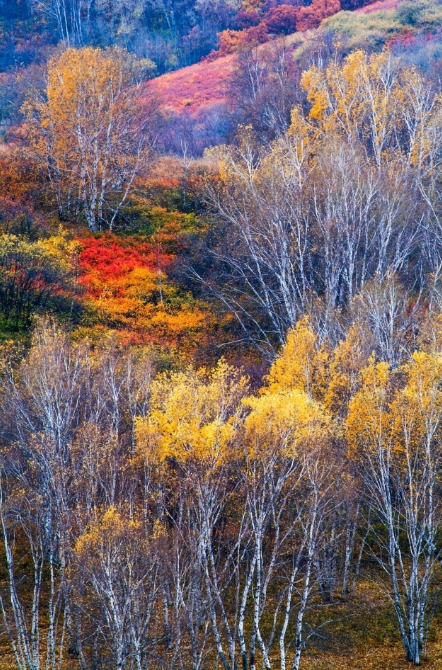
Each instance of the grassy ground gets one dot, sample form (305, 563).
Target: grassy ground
(363, 635)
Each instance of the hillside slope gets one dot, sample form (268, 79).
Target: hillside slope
(378, 6)
(193, 88)
(199, 93)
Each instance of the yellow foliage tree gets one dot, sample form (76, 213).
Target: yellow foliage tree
(33, 273)
(334, 203)
(90, 135)
(194, 415)
(370, 99)
(394, 431)
(287, 414)
(341, 376)
(284, 421)
(293, 369)
(119, 560)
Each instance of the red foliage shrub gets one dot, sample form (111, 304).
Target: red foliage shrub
(282, 19)
(127, 290)
(311, 17)
(256, 35)
(246, 19)
(108, 258)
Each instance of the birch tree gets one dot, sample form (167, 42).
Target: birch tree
(348, 195)
(119, 564)
(29, 529)
(395, 434)
(91, 135)
(71, 18)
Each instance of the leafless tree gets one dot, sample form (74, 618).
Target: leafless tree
(71, 17)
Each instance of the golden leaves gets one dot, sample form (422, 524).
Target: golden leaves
(400, 411)
(194, 415)
(208, 417)
(293, 368)
(371, 98)
(284, 421)
(89, 136)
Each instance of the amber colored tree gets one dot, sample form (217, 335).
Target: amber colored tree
(91, 135)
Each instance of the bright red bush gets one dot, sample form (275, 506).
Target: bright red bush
(108, 258)
(126, 287)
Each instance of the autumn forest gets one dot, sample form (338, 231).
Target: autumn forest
(220, 334)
